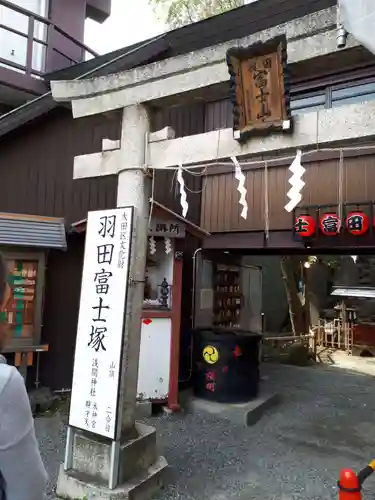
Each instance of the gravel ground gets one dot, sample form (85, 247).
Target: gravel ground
(325, 422)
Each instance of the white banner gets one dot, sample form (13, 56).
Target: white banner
(99, 344)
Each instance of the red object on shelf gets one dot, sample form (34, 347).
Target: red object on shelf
(147, 321)
(357, 223)
(304, 226)
(237, 352)
(330, 224)
(349, 487)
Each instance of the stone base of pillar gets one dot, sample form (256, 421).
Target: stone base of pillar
(140, 474)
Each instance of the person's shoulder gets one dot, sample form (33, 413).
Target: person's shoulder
(11, 378)
(6, 373)
(16, 419)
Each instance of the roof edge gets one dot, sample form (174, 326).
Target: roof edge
(80, 226)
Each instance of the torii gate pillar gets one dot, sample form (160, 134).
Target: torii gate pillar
(129, 466)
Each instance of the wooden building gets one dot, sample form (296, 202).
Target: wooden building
(322, 180)
(326, 183)
(37, 180)
(39, 140)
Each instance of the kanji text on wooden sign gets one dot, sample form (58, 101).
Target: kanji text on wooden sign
(166, 228)
(259, 87)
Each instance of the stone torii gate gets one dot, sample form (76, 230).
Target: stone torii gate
(139, 149)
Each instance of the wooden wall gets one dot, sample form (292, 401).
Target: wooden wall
(185, 120)
(61, 305)
(36, 177)
(36, 171)
(322, 187)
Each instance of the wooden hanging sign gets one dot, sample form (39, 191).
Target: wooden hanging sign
(259, 88)
(167, 228)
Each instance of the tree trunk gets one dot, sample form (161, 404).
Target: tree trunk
(296, 309)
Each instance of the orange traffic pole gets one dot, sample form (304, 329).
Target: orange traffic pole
(350, 483)
(349, 486)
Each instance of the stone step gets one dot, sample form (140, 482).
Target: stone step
(150, 482)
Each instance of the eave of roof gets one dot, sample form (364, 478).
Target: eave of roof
(192, 228)
(32, 231)
(77, 70)
(236, 23)
(45, 103)
(80, 226)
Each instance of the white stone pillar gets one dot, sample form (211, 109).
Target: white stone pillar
(134, 189)
(130, 465)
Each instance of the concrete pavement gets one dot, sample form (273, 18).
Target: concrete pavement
(326, 421)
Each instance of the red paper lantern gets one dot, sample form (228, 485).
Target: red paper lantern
(330, 224)
(357, 223)
(304, 226)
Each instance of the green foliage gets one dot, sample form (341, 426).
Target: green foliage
(177, 13)
(332, 261)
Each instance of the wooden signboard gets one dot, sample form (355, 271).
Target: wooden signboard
(259, 88)
(166, 228)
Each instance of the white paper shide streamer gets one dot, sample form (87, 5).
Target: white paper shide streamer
(168, 245)
(183, 197)
(241, 186)
(294, 193)
(152, 244)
